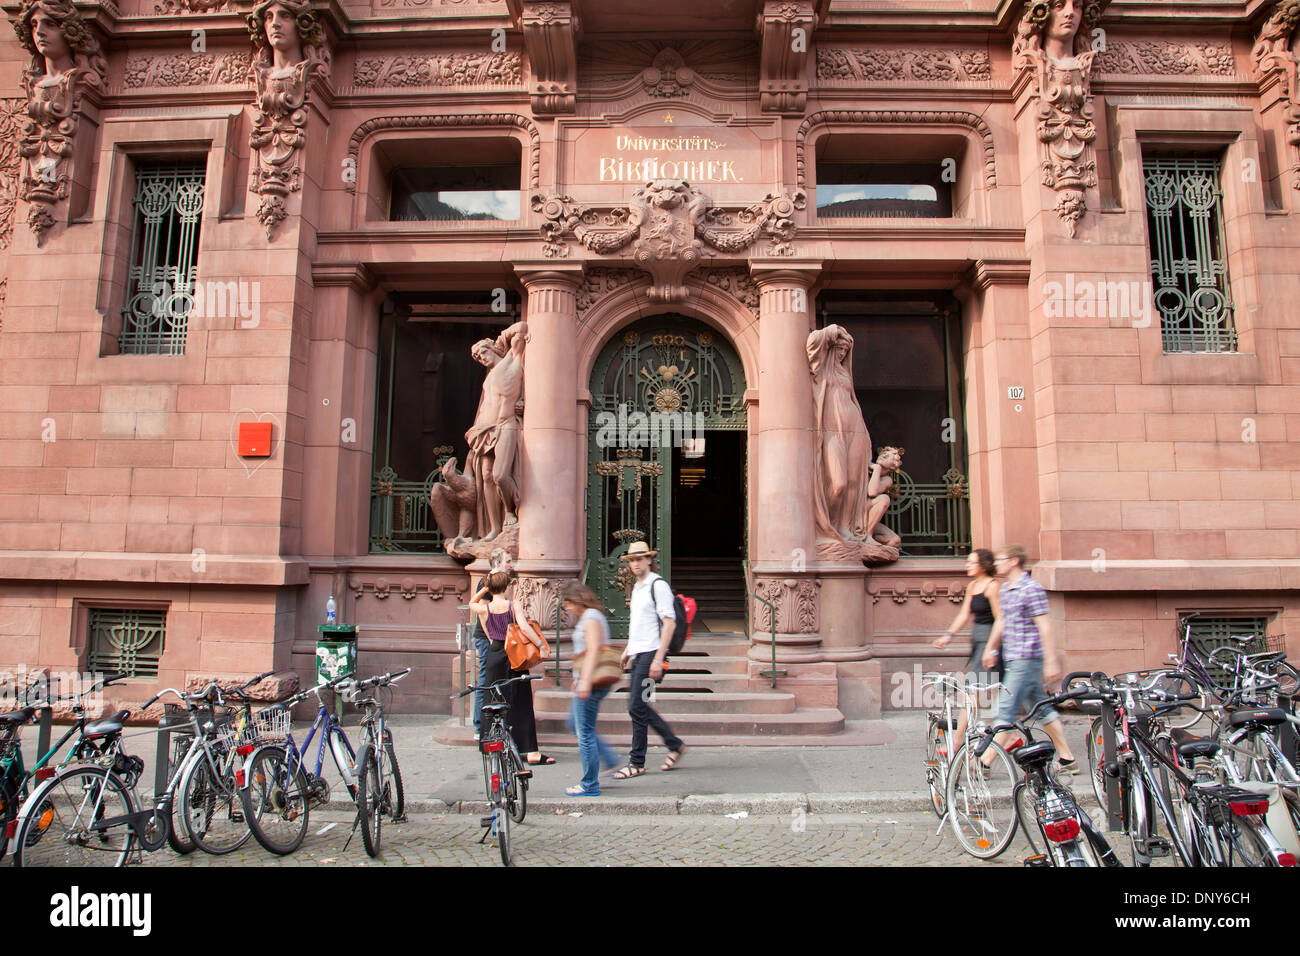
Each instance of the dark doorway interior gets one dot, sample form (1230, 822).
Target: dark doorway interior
(708, 531)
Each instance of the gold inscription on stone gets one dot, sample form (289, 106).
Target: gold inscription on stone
(628, 167)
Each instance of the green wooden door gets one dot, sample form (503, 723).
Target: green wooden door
(658, 383)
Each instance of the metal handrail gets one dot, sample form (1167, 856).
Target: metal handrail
(773, 673)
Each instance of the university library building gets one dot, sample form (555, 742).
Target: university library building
(331, 299)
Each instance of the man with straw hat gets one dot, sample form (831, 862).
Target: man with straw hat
(649, 631)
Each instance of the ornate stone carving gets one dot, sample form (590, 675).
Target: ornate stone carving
(795, 601)
(1166, 58)
(920, 117)
(454, 119)
(737, 283)
(452, 69)
(541, 597)
(630, 467)
(848, 497)
(187, 69)
(785, 28)
(1277, 53)
(551, 37)
(668, 75)
(900, 592)
(66, 61)
(599, 282)
(12, 112)
(1052, 42)
(921, 66)
(667, 225)
(289, 50)
(492, 467)
(407, 587)
(193, 6)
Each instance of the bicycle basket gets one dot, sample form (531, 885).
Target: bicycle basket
(270, 725)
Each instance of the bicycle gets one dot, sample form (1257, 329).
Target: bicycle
(505, 777)
(276, 790)
(92, 807)
(379, 778)
(941, 729)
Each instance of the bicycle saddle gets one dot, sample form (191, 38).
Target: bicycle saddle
(1191, 747)
(1263, 716)
(1034, 754)
(495, 708)
(18, 716)
(112, 725)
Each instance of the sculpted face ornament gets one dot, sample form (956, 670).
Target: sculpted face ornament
(66, 59)
(1277, 55)
(1052, 40)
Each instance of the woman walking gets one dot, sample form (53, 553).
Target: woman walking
(591, 634)
(496, 614)
(981, 602)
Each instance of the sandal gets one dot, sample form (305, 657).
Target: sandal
(673, 756)
(577, 791)
(542, 760)
(628, 772)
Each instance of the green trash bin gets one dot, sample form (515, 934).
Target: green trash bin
(336, 656)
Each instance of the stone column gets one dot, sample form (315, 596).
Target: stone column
(551, 475)
(786, 444)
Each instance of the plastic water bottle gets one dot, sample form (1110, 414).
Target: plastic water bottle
(331, 609)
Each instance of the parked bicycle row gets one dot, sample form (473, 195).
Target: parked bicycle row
(1226, 796)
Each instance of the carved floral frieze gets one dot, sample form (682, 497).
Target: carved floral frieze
(1166, 58)
(738, 283)
(187, 69)
(193, 6)
(451, 69)
(900, 592)
(795, 603)
(408, 588)
(668, 75)
(540, 598)
(882, 64)
(599, 282)
(665, 229)
(12, 112)
(1276, 55)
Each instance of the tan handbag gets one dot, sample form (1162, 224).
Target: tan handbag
(609, 668)
(523, 653)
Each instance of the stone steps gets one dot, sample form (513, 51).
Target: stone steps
(669, 702)
(735, 728)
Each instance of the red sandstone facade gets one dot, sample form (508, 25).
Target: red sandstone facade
(1145, 482)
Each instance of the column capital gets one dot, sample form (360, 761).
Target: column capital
(785, 272)
(549, 273)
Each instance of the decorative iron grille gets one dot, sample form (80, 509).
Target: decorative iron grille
(1189, 266)
(129, 640)
(164, 255)
(931, 518)
(400, 516)
(1210, 633)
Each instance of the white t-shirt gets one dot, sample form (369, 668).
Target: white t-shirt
(643, 627)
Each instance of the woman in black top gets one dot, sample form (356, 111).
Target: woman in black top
(981, 603)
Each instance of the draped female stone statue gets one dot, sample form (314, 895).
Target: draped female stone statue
(847, 523)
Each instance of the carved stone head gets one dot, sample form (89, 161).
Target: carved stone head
(285, 32)
(1057, 28)
(485, 352)
(665, 193)
(53, 32)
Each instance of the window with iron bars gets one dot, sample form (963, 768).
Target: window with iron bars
(164, 255)
(129, 640)
(1209, 633)
(1189, 266)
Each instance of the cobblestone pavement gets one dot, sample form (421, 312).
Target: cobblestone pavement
(551, 839)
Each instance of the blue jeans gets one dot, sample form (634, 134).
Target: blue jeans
(643, 715)
(592, 749)
(1022, 686)
(481, 649)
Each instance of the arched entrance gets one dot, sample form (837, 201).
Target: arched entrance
(666, 458)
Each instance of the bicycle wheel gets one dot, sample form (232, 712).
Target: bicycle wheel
(1288, 679)
(395, 794)
(1137, 820)
(1097, 759)
(1026, 811)
(212, 808)
(176, 836)
(57, 823)
(981, 801)
(1247, 846)
(516, 787)
(370, 798)
(500, 814)
(935, 763)
(276, 804)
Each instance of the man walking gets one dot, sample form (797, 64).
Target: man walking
(1024, 634)
(649, 631)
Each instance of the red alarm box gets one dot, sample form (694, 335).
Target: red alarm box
(254, 439)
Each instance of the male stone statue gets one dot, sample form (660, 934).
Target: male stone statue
(493, 451)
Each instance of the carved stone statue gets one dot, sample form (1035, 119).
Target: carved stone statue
(289, 48)
(476, 510)
(1053, 40)
(1278, 51)
(849, 498)
(66, 60)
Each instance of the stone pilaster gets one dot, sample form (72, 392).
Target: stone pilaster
(551, 477)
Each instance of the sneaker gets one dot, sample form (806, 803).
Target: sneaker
(1069, 766)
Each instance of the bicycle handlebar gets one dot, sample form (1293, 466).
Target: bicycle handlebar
(501, 683)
